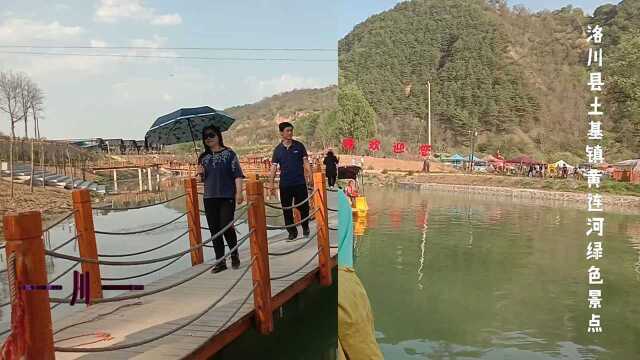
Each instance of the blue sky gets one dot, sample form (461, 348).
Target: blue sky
(115, 97)
(121, 97)
(353, 12)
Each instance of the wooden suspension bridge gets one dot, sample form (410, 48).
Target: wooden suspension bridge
(157, 322)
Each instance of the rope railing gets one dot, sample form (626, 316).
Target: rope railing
(244, 301)
(296, 270)
(58, 247)
(333, 229)
(13, 290)
(297, 248)
(143, 274)
(333, 210)
(70, 214)
(58, 304)
(274, 206)
(166, 287)
(138, 262)
(73, 266)
(166, 333)
(65, 243)
(50, 282)
(148, 250)
(141, 231)
(283, 227)
(138, 207)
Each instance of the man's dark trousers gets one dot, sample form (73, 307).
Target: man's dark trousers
(294, 195)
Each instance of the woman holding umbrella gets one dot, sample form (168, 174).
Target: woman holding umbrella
(219, 169)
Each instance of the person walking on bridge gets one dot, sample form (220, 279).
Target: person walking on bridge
(292, 159)
(219, 169)
(331, 165)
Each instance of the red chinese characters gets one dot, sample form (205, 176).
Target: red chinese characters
(425, 150)
(399, 148)
(348, 144)
(374, 145)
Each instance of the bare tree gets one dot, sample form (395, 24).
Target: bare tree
(10, 104)
(36, 105)
(25, 86)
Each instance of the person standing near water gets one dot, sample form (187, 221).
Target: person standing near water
(219, 169)
(331, 164)
(292, 159)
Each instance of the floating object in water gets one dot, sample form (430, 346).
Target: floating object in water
(360, 204)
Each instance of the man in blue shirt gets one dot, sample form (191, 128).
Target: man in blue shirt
(291, 156)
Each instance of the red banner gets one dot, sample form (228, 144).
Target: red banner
(425, 150)
(399, 148)
(374, 145)
(348, 143)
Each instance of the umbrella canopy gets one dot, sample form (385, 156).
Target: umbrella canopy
(456, 157)
(186, 125)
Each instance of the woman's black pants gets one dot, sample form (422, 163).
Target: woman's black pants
(219, 213)
(332, 176)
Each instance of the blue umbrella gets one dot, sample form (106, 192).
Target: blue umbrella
(186, 125)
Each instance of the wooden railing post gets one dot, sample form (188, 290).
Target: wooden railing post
(83, 216)
(260, 253)
(322, 224)
(193, 217)
(23, 234)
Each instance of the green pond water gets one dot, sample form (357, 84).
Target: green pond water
(459, 276)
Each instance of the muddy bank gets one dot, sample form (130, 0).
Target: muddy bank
(53, 203)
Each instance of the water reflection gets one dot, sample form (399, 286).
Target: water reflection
(457, 276)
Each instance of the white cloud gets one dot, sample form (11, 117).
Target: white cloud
(169, 19)
(156, 42)
(166, 97)
(111, 11)
(17, 30)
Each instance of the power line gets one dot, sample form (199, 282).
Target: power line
(163, 48)
(35, 53)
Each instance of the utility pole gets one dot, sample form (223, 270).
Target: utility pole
(474, 133)
(429, 110)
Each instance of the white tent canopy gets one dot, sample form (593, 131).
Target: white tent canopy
(561, 163)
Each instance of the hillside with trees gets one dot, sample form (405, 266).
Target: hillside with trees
(517, 78)
(256, 124)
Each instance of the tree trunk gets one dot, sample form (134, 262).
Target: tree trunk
(42, 164)
(13, 135)
(36, 126)
(32, 167)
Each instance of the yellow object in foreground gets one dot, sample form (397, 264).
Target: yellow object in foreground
(361, 204)
(356, 336)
